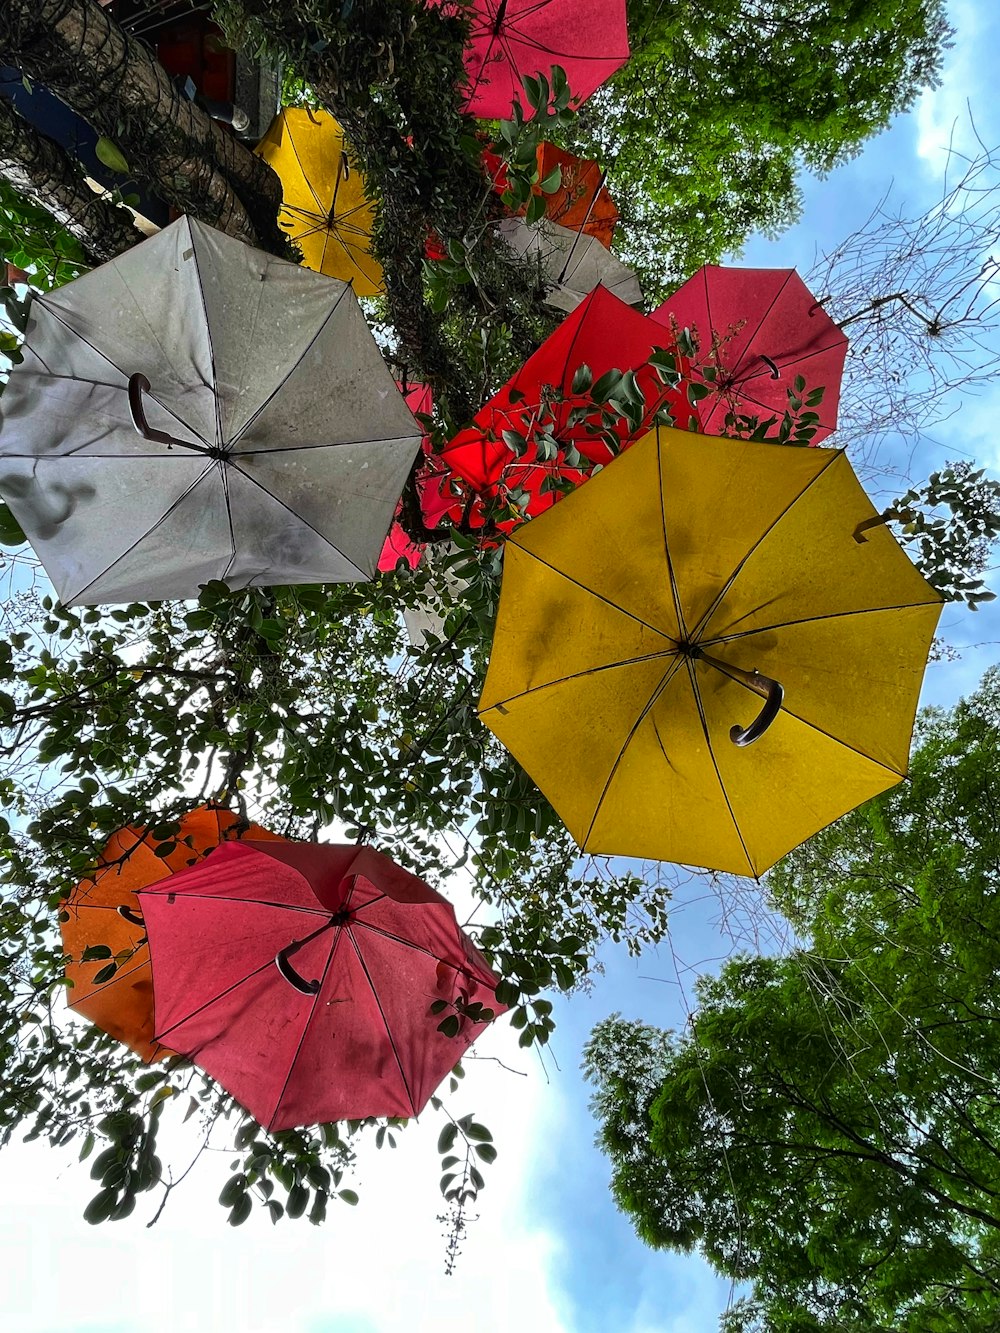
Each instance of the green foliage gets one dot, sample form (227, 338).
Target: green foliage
(709, 121)
(828, 1129)
(32, 240)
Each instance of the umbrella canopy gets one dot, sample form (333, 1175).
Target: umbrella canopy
(603, 333)
(570, 264)
(580, 202)
(199, 410)
(510, 39)
(103, 913)
(326, 211)
(641, 619)
(779, 332)
(304, 978)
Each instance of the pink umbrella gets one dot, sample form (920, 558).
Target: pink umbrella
(351, 1027)
(772, 330)
(514, 38)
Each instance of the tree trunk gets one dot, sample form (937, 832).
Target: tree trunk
(80, 53)
(43, 171)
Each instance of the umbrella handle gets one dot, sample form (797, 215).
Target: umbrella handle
(137, 385)
(289, 973)
(772, 707)
(130, 914)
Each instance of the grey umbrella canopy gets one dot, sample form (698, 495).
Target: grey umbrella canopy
(571, 262)
(199, 410)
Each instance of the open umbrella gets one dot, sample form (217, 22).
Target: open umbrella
(101, 922)
(570, 264)
(306, 979)
(326, 211)
(199, 410)
(642, 617)
(772, 330)
(512, 38)
(603, 333)
(580, 202)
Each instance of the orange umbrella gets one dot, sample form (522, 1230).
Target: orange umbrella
(103, 933)
(580, 202)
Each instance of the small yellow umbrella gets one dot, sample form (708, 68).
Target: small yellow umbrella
(326, 211)
(640, 619)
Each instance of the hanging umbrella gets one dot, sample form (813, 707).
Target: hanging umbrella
(603, 333)
(326, 211)
(198, 410)
(305, 979)
(570, 264)
(778, 332)
(102, 914)
(581, 201)
(641, 619)
(510, 39)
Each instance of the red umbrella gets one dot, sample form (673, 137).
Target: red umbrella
(778, 332)
(444, 498)
(581, 202)
(305, 979)
(513, 38)
(603, 333)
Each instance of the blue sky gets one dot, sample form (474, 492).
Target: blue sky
(549, 1251)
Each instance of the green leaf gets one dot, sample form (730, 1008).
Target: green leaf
(446, 1139)
(348, 1197)
(111, 155)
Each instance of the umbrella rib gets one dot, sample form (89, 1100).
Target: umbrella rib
(211, 348)
(298, 517)
(229, 518)
(812, 620)
(723, 591)
(120, 975)
(159, 1034)
(104, 357)
(580, 675)
(328, 444)
(665, 680)
(693, 676)
(292, 369)
(149, 531)
(484, 62)
(600, 596)
(734, 369)
(388, 1030)
(305, 174)
(674, 590)
(236, 901)
(339, 932)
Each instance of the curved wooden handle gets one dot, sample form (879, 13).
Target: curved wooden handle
(138, 385)
(289, 973)
(772, 706)
(130, 914)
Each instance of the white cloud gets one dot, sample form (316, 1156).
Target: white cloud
(942, 117)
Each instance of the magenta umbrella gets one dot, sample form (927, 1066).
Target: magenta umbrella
(772, 330)
(514, 38)
(311, 980)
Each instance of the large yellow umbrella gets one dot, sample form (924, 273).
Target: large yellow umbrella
(326, 211)
(641, 619)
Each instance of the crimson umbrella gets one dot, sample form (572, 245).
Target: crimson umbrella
(312, 980)
(767, 329)
(603, 333)
(513, 38)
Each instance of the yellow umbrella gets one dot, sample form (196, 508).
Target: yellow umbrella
(326, 211)
(641, 617)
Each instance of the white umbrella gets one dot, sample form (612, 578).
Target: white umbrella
(199, 410)
(571, 262)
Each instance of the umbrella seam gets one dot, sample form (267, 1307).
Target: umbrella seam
(304, 521)
(812, 620)
(340, 931)
(658, 689)
(149, 531)
(693, 677)
(707, 616)
(579, 675)
(674, 589)
(208, 334)
(599, 596)
(388, 1031)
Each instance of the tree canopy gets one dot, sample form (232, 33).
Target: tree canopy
(298, 707)
(826, 1130)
